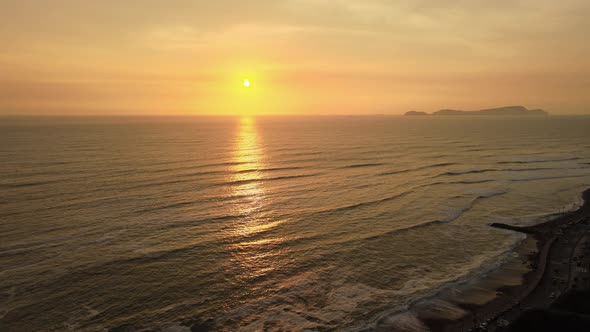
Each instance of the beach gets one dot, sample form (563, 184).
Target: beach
(559, 266)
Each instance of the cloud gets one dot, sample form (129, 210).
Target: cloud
(111, 48)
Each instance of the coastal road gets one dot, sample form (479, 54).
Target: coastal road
(560, 265)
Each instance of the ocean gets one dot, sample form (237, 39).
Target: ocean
(266, 223)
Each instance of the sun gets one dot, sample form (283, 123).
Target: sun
(246, 83)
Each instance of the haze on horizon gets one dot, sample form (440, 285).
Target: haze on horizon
(302, 56)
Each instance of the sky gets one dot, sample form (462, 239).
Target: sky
(190, 57)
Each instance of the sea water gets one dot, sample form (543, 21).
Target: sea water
(265, 223)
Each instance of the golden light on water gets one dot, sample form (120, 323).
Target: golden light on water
(250, 246)
(248, 162)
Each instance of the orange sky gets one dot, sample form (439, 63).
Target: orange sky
(302, 56)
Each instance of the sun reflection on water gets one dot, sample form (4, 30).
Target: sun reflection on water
(252, 247)
(247, 168)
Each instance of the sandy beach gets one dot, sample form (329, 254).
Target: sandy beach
(559, 265)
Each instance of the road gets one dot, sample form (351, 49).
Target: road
(563, 264)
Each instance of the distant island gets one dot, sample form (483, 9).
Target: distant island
(415, 113)
(507, 110)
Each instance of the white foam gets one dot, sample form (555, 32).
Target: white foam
(403, 322)
(539, 218)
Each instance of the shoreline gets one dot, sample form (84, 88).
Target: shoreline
(542, 285)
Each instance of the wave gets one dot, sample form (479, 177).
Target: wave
(528, 169)
(237, 182)
(536, 161)
(451, 217)
(273, 169)
(201, 221)
(165, 207)
(489, 170)
(479, 197)
(471, 182)
(471, 171)
(244, 171)
(186, 175)
(478, 268)
(288, 177)
(417, 168)
(54, 163)
(26, 184)
(181, 168)
(303, 160)
(191, 203)
(539, 218)
(154, 184)
(362, 204)
(299, 154)
(550, 178)
(487, 149)
(228, 163)
(58, 172)
(397, 172)
(362, 165)
(148, 255)
(437, 165)
(376, 152)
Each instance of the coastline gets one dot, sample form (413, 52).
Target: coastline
(545, 282)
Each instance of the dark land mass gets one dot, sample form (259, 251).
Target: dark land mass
(508, 110)
(415, 113)
(554, 295)
(500, 111)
